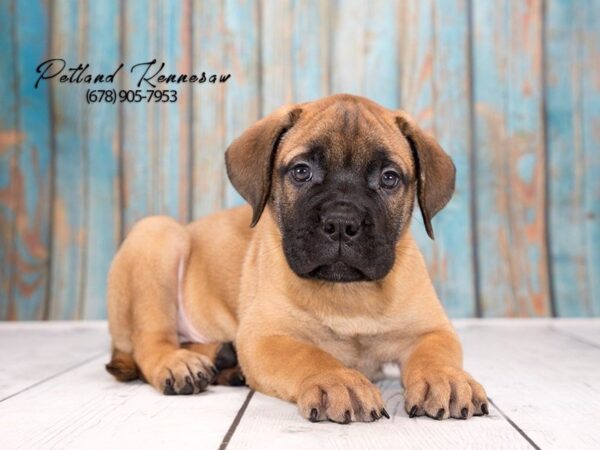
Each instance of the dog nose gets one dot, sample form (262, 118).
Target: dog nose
(341, 223)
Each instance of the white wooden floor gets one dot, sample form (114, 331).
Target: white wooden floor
(543, 379)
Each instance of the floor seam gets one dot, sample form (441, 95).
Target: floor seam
(575, 337)
(56, 375)
(236, 422)
(515, 426)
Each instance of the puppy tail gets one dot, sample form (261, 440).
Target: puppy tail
(122, 366)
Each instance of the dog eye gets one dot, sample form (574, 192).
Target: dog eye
(389, 179)
(301, 173)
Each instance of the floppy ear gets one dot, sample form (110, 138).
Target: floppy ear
(250, 158)
(434, 169)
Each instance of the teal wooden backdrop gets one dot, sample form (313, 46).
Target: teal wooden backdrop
(510, 88)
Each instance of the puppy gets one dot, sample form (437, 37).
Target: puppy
(318, 281)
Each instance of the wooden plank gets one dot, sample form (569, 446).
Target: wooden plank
(417, 49)
(591, 138)
(348, 47)
(452, 264)
(140, 122)
(31, 173)
(546, 382)
(310, 49)
(10, 137)
(171, 27)
(381, 57)
(69, 221)
(33, 352)
(585, 330)
(543, 380)
(510, 164)
(270, 423)
(276, 52)
(571, 40)
(364, 58)
(103, 219)
(435, 90)
(242, 58)
(209, 178)
(157, 141)
(87, 408)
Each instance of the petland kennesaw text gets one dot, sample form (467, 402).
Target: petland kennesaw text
(146, 74)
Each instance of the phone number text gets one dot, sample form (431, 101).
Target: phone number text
(130, 96)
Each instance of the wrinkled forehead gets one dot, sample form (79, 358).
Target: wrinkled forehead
(347, 133)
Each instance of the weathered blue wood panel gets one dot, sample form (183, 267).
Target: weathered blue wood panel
(102, 200)
(139, 119)
(170, 29)
(572, 99)
(294, 50)
(10, 137)
(33, 166)
(509, 171)
(276, 51)
(450, 256)
(364, 46)
(209, 178)
(310, 47)
(69, 221)
(347, 47)
(381, 57)
(242, 58)
(74, 177)
(591, 137)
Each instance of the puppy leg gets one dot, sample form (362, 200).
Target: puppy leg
(224, 357)
(122, 366)
(435, 383)
(299, 372)
(150, 262)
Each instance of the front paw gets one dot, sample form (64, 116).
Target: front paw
(444, 392)
(182, 372)
(342, 396)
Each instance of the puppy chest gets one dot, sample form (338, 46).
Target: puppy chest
(353, 351)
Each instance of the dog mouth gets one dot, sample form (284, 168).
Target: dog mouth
(337, 272)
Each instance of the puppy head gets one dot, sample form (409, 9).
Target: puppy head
(340, 176)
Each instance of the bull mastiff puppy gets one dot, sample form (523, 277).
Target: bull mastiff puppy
(318, 281)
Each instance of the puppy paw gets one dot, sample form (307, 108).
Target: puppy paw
(342, 396)
(444, 392)
(183, 372)
(230, 377)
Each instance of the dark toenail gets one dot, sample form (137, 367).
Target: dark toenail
(413, 411)
(314, 415)
(347, 417)
(384, 413)
(188, 388)
(464, 413)
(202, 382)
(484, 409)
(168, 390)
(374, 415)
(440, 414)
